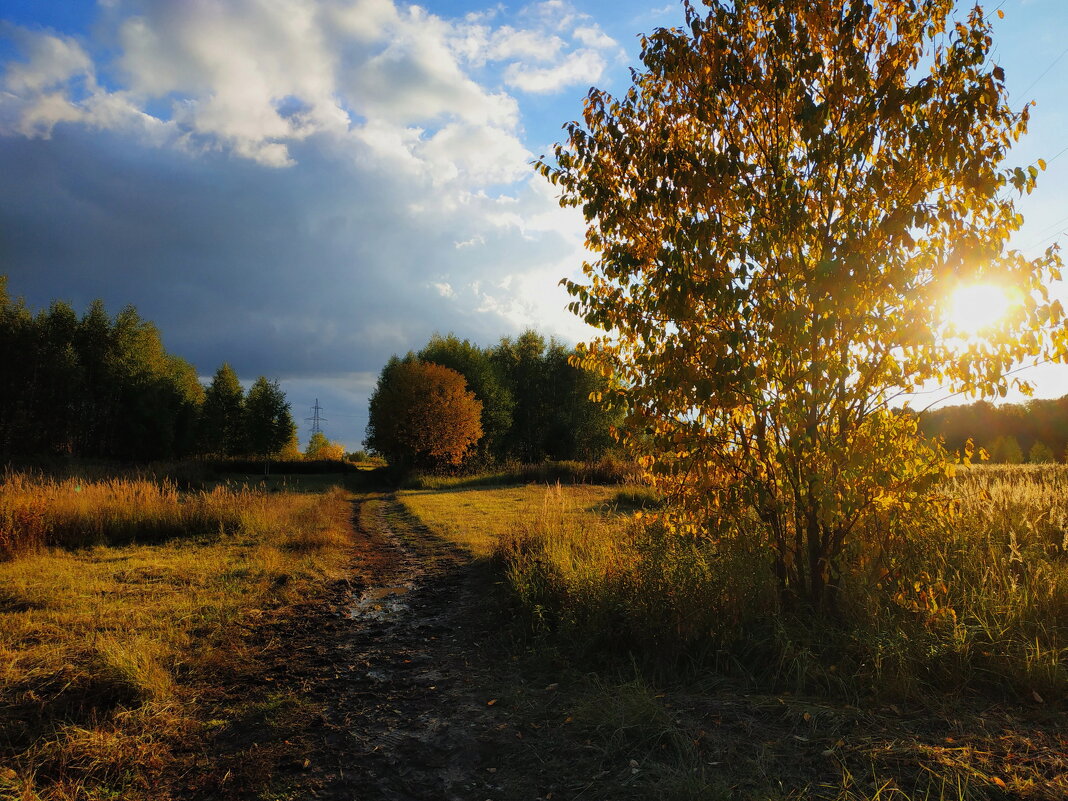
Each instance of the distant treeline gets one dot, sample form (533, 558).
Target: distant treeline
(98, 386)
(535, 404)
(1035, 431)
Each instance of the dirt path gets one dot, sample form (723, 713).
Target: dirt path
(397, 665)
(398, 686)
(416, 651)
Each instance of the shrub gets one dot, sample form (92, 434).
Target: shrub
(1040, 453)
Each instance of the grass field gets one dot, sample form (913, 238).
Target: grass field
(111, 647)
(480, 518)
(124, 604)
(944, 679)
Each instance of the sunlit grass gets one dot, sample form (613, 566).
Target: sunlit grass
(478, 518)
(971, 620)
(105, 650)
(977, 601)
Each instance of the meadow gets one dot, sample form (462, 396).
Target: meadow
(978, 603)
(124, 604)
(942, 677)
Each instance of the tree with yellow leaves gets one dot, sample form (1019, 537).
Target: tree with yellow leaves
(319, 447)
(422, 415)
(780, 206)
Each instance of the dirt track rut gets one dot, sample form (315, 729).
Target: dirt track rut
(404, 687)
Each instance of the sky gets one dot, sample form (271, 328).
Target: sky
(302, 188)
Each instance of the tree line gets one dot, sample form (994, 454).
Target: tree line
(1034, 431)
(521, 400)
(98, 386)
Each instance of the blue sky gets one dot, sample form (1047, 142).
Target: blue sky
(303, 187)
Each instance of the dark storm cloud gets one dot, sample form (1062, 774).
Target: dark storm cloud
(301, 189)
(313, 270)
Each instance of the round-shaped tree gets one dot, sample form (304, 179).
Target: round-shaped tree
(422, 415)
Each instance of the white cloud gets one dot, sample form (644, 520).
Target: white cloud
(444, 289)
(582, 67)
(593, 36)
(51, 61)
(257, 76)
(474, 241)
(480, 154)
(509, 43)
(363, 20)
(418, 111)
(233, 64)
(555, 13)
(479, 44)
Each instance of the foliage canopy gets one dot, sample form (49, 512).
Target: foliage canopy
(95, 386)
(779, 207)
(269, 424)
(222, 422)
(484, 379)
(319, 447)
(535, 403)
(422, 415)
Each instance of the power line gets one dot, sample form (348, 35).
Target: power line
(316, 418)
(934, 403)
(1050, 161)
(1046, 70)
(1049, 238)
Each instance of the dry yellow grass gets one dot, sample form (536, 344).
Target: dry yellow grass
(478, 518)
(970, 620)
(104, 651)
(978, 599)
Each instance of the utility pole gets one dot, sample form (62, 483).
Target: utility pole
(316, 418)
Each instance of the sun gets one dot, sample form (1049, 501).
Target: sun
(973, 308)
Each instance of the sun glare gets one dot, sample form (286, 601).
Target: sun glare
(976, 307)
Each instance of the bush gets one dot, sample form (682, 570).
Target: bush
(1040, 453)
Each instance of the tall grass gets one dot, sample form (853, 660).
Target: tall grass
(975, 602)
(35, 512)
(109, 645)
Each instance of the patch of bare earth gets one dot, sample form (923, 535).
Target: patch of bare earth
(377, 691)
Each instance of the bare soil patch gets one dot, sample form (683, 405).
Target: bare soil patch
(377, 691)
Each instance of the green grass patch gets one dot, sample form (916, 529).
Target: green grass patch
(478, 518)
